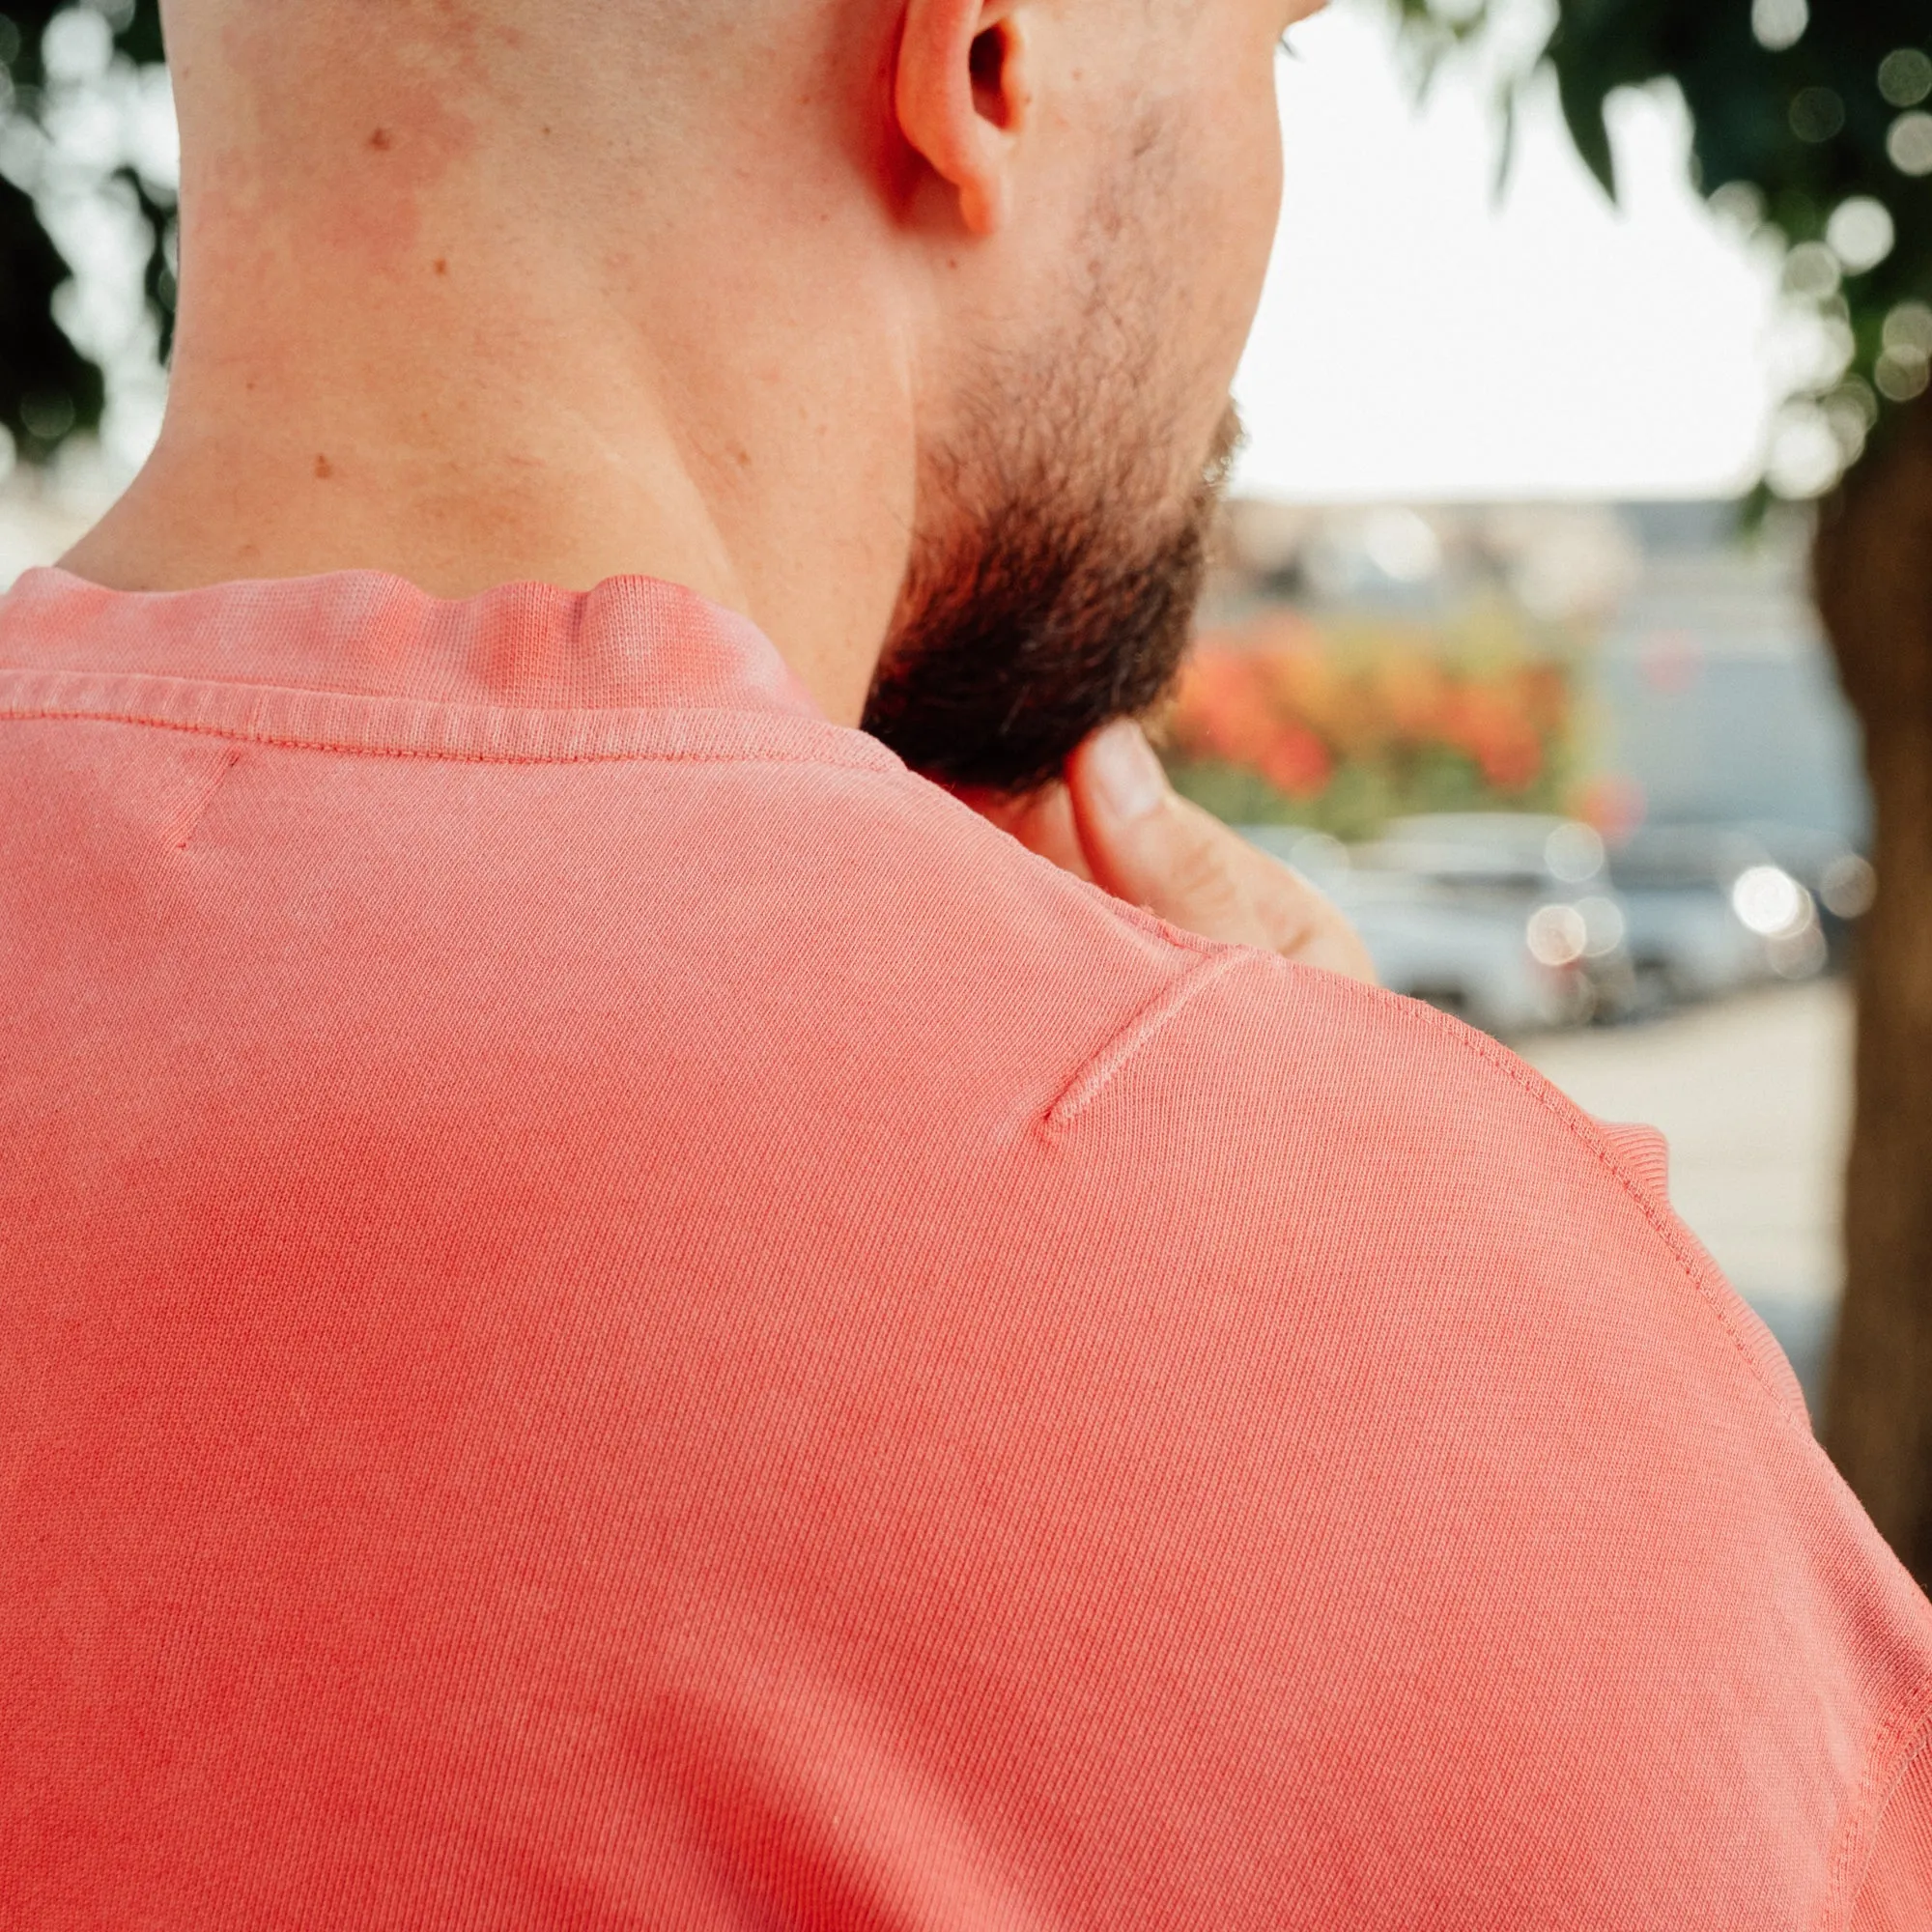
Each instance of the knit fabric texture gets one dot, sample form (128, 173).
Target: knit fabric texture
(614, 1313)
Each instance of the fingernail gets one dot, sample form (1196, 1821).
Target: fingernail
(1127, 772)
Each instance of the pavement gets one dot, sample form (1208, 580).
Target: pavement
(1754, 1096)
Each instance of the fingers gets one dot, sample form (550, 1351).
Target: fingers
(1300, 921)
(1146, 844)
(1117, 822)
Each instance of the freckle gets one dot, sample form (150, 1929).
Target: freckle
(324, 469)
(546, 130)
(441, 266)
(379, 140)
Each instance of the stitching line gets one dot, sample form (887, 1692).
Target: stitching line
(1480, 1047)
(1895, 1747)
(1095, 1078)
(1152, 1018)
(1090, 1082)
(196, 810)
(246, 734)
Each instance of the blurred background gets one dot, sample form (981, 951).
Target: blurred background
(1573, 617)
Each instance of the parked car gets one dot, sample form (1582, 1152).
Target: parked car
(1838, 876)
(1709, 911)
(1485, 961)
(1546, 875)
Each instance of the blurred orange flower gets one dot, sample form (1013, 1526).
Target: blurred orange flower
(1300, 707)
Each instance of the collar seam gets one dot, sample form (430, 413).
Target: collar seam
(868, 754)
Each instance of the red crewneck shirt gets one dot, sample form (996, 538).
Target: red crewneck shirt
(615, 1313)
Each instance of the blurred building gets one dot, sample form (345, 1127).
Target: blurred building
(1559, 561)
(1704, 686)
(1718, 692)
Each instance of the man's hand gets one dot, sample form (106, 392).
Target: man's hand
(1117, 821)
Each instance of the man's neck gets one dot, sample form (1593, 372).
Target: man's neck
(507, 408)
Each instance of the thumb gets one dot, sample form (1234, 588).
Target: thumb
(1147, 844)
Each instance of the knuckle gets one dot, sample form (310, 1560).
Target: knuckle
(1199, 879)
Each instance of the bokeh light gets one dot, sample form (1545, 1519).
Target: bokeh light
(1557, 935)
(1817, 114)
(1905, 76)
(1849, 887)
(1769, 900)
(1805, 457)
(1909, 144)
(1812, 272)
(1780, 23)
(1861, 233)
(1905, 362)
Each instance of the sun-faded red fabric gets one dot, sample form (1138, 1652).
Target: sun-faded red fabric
(615, 1313)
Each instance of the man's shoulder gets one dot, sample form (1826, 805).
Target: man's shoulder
(1150, 1014)
(1179, 1012)
(1267, 1108)
(1301, 1112)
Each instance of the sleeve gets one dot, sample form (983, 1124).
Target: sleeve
(1895, 1895)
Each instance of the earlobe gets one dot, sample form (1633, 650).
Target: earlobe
(961, 99)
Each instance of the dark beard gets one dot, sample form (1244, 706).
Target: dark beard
(1028, 626)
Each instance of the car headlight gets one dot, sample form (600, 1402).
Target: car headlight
(1557, 935)
(1605, 924)
(1849, 886)
(1770, 902)
(1574, 853)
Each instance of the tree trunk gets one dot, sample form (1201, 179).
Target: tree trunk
(1873, 563)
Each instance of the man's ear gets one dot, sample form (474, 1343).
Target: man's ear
(962, 98)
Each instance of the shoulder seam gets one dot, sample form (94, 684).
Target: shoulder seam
(1155, 1018)
(1146, 1026)
(1895, 1746)
(1479, 1046)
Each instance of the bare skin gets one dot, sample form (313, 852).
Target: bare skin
(474, 294)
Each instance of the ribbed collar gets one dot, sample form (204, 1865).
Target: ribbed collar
(360, 660)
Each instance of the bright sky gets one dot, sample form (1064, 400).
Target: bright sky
(1419, 341)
